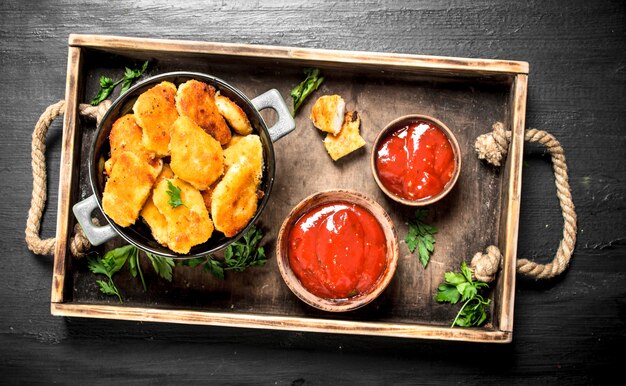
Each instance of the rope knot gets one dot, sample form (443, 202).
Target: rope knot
(485, 265)
(493, 146)
(95, 112)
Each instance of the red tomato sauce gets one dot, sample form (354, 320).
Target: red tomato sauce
(416, 161)
(337, 250)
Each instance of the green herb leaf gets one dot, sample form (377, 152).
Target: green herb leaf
(131, 75)
(304, 89)
(215, 267)
(162, 265)
(461, 286)
(107, 84)
(106, 87)
(420, 237)
(247, 253)
(108, 265)
(135, 267)
(447, 293)
(454, 278)
(174, 193)
(193, 262)
(108, 288)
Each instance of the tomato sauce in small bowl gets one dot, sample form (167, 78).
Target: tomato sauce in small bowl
(416, 160)
(337, 250)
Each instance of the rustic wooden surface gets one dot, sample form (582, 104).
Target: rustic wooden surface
(468, 218)
(568, 329)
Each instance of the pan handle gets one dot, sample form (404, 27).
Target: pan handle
(95, 234)
(285, 123)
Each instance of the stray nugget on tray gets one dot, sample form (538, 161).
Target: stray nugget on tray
(327, 113)
(187, 224)
(196, 100)
(348, 140)
(235, 116)
(196, 156)
(249, 150)
(126, 135)
(127, 188)
(234, 200)
(155, 111)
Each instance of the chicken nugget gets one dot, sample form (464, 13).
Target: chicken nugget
(249, 150)
(234, 115)
(327, 113)
(196, 156)
(126, 135)
(348, 139)
(151, 215)
(155, 220)
(196, 100)
(127, 188)
(234, 200)
(187, 224)
(155, 111)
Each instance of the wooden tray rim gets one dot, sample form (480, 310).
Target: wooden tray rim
(503, 334)
(438, 63)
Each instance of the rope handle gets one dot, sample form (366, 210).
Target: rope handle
(493, 147)
(78, 242)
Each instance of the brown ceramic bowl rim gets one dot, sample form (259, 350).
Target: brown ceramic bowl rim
(315, 200)
(396, 124)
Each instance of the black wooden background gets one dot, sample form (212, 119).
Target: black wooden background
(570, 329)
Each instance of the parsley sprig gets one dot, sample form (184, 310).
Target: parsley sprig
(115, 259)
(459, 286)
(304, 89)
(107, 84)
(174, 192)
(421, 236)
(240, 255)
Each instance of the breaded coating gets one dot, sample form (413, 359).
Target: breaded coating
(196, 100)
(188, 224)
(126, 135)
(233, 114)
(127, 188)
(327, 113)
(248, 150)
(235, 138)
(206, 196)
(155, 111)
(348, 139)
(155, 220)
(196, 156)
(234, 200)
(151, 215)
(166, 172)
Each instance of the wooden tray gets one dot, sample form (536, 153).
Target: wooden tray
(483, 209)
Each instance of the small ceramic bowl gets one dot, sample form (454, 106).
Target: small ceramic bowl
(344, 304)
(397, 124)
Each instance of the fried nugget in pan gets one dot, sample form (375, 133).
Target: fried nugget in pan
(196, 156)
(155, 111)
(156, 221)
(234, 115)
(196, 100)
(126, 135)
(151, 215)
(188, 224)
(127, 188)
(234, 200)
(249, 150)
